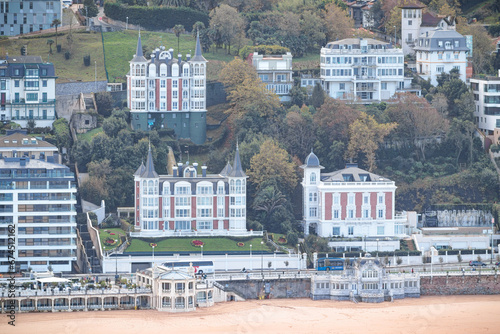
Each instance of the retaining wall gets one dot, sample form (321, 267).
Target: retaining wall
(479, 284)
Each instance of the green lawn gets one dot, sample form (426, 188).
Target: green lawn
(71, 70)
(103, 234)
(184, 244)
(89, 134)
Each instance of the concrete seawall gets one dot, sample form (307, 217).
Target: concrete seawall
(460, 285)
(270, 288)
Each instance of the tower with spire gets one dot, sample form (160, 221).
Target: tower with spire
(237, 194)
(168, 92)
(147, 195)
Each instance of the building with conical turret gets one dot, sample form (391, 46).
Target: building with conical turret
(187, 203)
(166, 91)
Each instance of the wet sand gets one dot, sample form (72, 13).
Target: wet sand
(451, 314)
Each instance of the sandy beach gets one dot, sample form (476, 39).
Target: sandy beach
(452, 314)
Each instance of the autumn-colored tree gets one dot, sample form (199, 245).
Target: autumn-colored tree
(482, 46)
(338, 23)
(333, 120)
(419, 123)
(246, 93)
(273, 163)
(445, 7)
(365, 136)
(228, 23)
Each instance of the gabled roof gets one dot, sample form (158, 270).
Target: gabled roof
(17, 141)
(352, 174)
(430, 20)
(237, 171)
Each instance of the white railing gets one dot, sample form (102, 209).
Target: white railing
(211, 233)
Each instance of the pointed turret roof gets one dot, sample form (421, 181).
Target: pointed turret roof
(149, 171)
(139, 56)
(311, 161)
(227, 169)
(237, 171)
(140, 170)
(197, 51)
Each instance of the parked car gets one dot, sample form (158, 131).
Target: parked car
(477, 264)
(497, 264)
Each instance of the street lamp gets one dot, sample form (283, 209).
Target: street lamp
(153, 255)
(251, 260)
(377, 247)
(262, 258)
(298, 255)
(492, 249)
(126, 25)
(201, 250)
(116, 269)
(95, 75)
(394, 35)
(250, 250)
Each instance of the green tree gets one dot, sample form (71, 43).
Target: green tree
(50, 42)
(178, 29)
(104, 103)
(228, 23)
(299, 133)
(316, 244)
(113, 125)
(365, 136)
(318, 96)
(90, 9)
(62, 133)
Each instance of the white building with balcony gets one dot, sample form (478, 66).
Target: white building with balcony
(363, 70)
(37, 215)
(487, 102)
(276, 72)
(175, 290)
(27, 91)
(440, 51)
(350, 203)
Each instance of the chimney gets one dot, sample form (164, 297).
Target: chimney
(188, 57)
(179, 58)
(204, 171)
(175, 171)
(179, 164)
(351, 164)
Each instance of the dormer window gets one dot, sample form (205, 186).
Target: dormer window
(313, 178)
(456, 44)
(440, 44)
(364, 177)
(348, 177)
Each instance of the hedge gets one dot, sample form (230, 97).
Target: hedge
(155, 18)
(263, 50)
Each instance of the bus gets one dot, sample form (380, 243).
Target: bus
(330, 263)
(200, 267)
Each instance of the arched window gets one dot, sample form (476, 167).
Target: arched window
(156, 187)
(166, 188)
(152, 70)
(175, 70)
(238, 187)
(186, 70)
(144, 187)
(185, 94)
(163, 70)
(202, 69)
(231, 186)
(150, 187)
(313, 178)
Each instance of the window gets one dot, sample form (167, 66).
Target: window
(350, 230)
(341, 86)
(204, 225)
(440, 69)
(31, 96)
(182, 213)
(336, 214)
(351, 199)
(380, 230)
(380, 199)
(336, 230)
(365, 213)
(182, 225)
(380, 213)
(383, 85)
(350, 213)
(205, 213)
(313, 212)
(336, 199)
(16, 83)
(313, 178)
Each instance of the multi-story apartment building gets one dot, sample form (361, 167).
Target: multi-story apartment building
(439, 51)
(487, 100)
(276, 72)
(350, 202)
(27, 91)
(363, 70)
(359, 10)
(21, 17)
(169, 205)
(37, 215)
(168, 92)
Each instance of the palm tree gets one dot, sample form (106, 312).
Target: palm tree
(178, 30)
(268, 200)
(50, 42)
(55, 23)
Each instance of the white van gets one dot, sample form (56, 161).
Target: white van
(66, 3)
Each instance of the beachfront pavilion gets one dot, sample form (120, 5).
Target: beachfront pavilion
(176, 290)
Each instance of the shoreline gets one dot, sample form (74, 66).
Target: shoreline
(427, 314)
